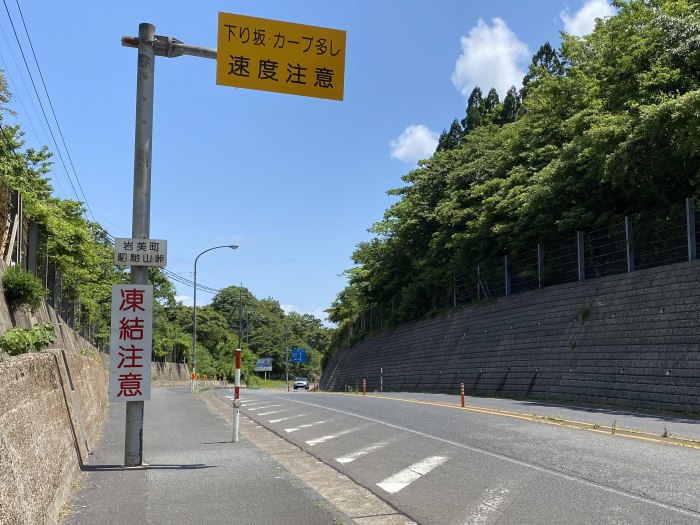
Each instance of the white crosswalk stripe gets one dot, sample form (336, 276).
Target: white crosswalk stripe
(286, 418)
(274, 412)
(323, 439)
(264, 408)
(405, 477)
(308, 425)
(362, 452)
(490, 507)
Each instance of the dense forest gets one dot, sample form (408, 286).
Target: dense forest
(605, 126)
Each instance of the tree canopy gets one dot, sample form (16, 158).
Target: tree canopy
(607, 125)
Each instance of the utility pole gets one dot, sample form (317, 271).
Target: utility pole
(141, 215)
(149, 46)
(240, 314)
(286, 357)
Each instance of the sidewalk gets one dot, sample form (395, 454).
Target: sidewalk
(194, 474)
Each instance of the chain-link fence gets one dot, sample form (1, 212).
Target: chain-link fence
(635, 243)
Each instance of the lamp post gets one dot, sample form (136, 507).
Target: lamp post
(194, 310)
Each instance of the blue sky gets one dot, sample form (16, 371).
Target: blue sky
(294, 181)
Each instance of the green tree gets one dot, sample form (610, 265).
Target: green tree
(475, 111)
(450, 139)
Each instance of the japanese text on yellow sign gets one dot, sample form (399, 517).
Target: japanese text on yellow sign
(268, 55)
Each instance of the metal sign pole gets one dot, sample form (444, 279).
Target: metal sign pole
(286, 358)
(141, 217)
(149, 45)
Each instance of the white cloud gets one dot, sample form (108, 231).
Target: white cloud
(184, 299)
(491, 57)
(583, 21)
(415, 143)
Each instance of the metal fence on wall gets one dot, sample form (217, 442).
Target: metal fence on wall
(634, 244)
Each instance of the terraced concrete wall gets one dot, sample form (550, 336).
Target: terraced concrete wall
(630, 339)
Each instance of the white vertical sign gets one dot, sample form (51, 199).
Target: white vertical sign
(131, 342)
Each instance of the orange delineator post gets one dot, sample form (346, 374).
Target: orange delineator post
(462, 389)
(364, 387)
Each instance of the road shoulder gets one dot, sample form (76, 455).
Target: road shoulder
(348, 497)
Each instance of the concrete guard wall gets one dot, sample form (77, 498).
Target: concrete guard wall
(629, 340)
(52, 405)
(47, 429)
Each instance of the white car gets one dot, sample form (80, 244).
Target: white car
(301, 382)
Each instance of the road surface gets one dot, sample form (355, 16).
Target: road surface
(494, 462)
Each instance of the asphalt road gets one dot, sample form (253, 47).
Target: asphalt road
(493, 462)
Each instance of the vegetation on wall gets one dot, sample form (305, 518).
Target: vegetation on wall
(22, 288)
(17, 341)
(607, 125)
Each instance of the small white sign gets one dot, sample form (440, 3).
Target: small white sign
(140, 252)
(131, 342)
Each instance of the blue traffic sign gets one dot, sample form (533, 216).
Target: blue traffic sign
(298, 355)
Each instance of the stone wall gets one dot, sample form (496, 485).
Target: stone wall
(169, 373)
(630, 340)
(52, 405)
(50, 415)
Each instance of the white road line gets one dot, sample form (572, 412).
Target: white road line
(362, 452)
(308, 425)
(509, 459)
(264, 408)
(405, 477)
(249, 404)
(323, 439)
(491, 504)
(274, 412)
(286, 418)
(229, 397)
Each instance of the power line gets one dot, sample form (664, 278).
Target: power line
(75, 173)
(177, 277)
(171, 275)
(36, 91)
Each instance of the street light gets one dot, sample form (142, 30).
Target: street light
(194, 309)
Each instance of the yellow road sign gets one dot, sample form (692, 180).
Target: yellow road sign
(268, 55)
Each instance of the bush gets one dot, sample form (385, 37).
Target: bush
(17, 341)
(22, 288)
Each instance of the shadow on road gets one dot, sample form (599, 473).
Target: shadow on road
(107, 468)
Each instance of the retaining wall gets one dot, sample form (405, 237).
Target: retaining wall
(630, 339)
(50, 416)
(52, 405)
